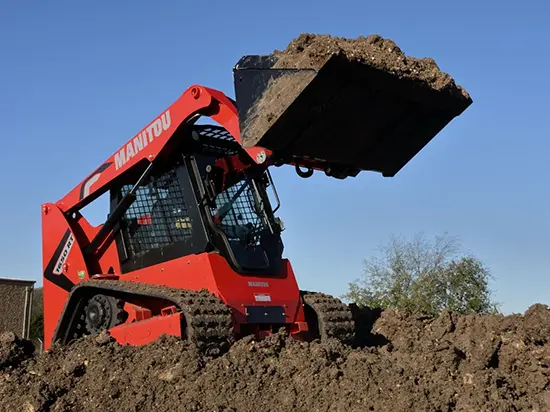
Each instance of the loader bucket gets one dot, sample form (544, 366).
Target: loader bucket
(346, 114)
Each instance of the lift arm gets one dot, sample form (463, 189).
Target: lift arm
(196, 101)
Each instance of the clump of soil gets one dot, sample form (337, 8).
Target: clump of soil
(13, 350)
(447, 363)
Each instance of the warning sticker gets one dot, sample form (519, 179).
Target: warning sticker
(262, 297)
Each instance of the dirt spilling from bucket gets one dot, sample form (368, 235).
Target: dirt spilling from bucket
(448, 363)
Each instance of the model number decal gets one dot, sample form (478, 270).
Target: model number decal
(262, 297)
(58, 268)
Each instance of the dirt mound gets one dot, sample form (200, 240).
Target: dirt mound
(449, 363)
(313, 50)
(13, 350)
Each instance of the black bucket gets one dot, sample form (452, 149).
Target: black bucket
(346, 115)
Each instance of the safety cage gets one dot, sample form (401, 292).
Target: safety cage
(165, 223)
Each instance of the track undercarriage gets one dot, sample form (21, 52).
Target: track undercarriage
(136, 314)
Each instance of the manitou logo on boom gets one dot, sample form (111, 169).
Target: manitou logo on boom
(146, 136)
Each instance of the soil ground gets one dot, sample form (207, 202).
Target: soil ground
(404, 363)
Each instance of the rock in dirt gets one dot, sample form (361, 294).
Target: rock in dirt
(13, 350)
(446, 363)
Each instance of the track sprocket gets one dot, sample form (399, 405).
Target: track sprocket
(103, 312)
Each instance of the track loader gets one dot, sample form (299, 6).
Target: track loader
(192, 246)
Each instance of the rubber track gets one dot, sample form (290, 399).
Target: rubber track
(209, 325)
(335, 318)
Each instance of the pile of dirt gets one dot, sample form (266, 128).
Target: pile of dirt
(448, 363)
(313, 50)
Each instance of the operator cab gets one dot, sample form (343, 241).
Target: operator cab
(207, 196)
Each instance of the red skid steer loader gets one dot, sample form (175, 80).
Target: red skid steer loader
(191, 246)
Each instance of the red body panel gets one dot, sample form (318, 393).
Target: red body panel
(145, 331)
(66, 234)
(62, 261)
(212, 272)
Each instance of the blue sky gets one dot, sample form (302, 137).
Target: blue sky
(80, 78)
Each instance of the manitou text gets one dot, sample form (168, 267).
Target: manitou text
(146, 136)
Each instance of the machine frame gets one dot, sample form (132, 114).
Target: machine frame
(88, 281)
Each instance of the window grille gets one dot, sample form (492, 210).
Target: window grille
(158, 217)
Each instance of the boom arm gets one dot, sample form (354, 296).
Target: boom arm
(149, 142)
